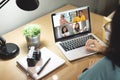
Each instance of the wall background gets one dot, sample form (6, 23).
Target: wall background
(102, 7)
(12, 17)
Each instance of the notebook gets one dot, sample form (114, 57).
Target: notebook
(48, 62)
(71, 32)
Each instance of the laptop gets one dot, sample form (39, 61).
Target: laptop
(71, 33)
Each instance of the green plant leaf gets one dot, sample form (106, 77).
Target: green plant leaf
(31, 30)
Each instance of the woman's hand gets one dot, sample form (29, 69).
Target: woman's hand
(94, 45)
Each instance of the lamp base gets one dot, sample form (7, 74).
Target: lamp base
(9, 51)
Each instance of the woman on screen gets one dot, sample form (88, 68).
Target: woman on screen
(76, 28)
(65, 31)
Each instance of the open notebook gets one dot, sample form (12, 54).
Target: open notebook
(48, 58)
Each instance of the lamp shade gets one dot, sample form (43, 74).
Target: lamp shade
(27, 5)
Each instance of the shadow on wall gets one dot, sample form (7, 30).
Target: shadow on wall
(110, 6)
(102, 7)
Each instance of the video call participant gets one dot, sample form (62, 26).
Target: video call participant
(76, 28)
(108, 68)
(63, 20)
(65, 31)
(80, 16)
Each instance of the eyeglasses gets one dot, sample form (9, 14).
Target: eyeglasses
(107, 27)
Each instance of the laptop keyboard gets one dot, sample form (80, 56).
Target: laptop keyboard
(75, 43)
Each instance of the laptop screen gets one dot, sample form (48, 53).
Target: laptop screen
(71, 23)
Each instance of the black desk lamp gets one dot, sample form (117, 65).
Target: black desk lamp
(8, 50)
(27, 5)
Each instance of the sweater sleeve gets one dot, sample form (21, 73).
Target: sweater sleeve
(102, 70)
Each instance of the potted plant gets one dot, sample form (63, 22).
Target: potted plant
(32, 34)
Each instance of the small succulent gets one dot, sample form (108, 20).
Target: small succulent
(31, 30)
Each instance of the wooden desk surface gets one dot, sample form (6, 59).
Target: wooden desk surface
(69, 71)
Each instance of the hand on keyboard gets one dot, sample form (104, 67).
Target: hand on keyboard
(94, 45)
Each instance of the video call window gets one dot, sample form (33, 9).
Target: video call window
(70, 23)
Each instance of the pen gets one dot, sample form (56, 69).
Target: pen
(43, 66)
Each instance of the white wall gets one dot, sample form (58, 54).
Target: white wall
(12, 17)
